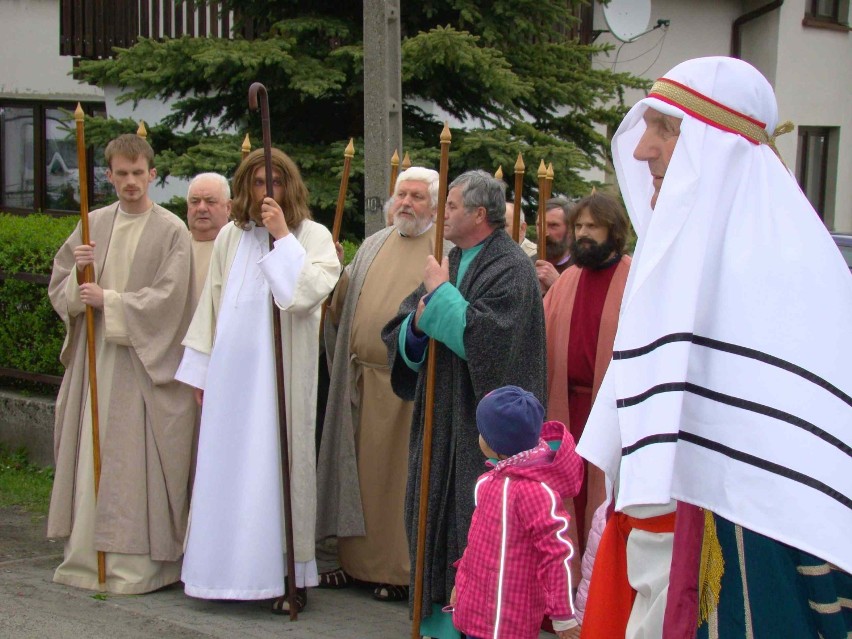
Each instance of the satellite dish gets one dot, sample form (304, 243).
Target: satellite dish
(627, 19)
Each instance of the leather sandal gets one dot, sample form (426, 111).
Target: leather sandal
(335, 579)
(389, 592)
(281, 605)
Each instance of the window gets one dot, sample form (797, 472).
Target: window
(816, 168)
(828, 14)
(38, 158)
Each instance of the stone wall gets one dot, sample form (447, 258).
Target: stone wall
(27, 421)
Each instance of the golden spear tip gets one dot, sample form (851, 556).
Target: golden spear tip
(519, 165)
(395, 158)
(142, 132)
(499, 172)
(79, 116)
(349, 151)
(550, 171)
(542, 170)
(445, 133)
(406, 162)
(246, 147)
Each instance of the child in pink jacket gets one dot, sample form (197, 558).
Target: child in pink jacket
(515, 569)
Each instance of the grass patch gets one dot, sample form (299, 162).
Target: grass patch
(24, 484)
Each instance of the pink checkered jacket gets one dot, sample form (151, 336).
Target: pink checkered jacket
(515, 568)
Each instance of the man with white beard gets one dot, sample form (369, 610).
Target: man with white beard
(363, 462)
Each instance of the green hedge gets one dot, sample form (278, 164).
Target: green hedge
(31, 333)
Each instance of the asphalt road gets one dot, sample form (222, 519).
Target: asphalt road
(33, 607)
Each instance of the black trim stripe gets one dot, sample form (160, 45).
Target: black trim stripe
(737, 402)
(735, 349)
(768, 466)
(662, 438)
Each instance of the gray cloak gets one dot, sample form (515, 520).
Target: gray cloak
(505, 344)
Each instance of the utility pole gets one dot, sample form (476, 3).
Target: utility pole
(382, 105)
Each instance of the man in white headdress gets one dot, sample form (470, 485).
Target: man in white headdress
(725, 370)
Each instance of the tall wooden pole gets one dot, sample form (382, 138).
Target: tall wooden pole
(519, 192)
(542, 198)
(429, 407)
(394, 172)
(255, 89)
(88, 277)
(542, 218)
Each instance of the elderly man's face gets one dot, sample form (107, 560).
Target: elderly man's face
(207, 209)
(460, 224)
(510, 222)
(657, 146)
(412, 210)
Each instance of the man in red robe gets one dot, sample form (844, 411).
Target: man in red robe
(581, 316)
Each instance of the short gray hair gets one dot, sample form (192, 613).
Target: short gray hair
(480, 188)
(221, 180)
(559, 203)
(420, 174)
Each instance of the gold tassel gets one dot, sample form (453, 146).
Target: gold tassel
(711, 570)
(781, 129)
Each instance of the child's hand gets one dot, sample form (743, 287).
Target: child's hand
(571, 633)
(453, 598)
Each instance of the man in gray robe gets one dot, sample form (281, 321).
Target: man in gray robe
(364, 454)
(141, 297)
(482, 305)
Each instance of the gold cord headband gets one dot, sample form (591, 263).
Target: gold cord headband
(715, 114)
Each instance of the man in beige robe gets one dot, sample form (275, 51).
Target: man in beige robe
(208, 206)
(529, 247)
(363, 461)
(581, 315)
(141, 258)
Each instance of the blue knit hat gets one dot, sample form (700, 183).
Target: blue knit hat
(509, 420)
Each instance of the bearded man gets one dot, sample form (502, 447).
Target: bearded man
(363, 459)
(723, 422)
(235, 545)
(557, 243)
(581, 315)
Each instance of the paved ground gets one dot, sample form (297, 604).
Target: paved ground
(33, 607)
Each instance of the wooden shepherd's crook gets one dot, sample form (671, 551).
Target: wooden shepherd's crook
(88, 277)
(519, 191)
(254, 89)
(542, 198)
(429, 408)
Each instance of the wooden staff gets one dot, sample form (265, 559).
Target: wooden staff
(245, 149)
(406, 162)
(255, 89)
(429, 407)
(141, 131)
(88, 277)
(542, 199)
(394, 171)
(519, 191)
(498, 174)
(542, 218)
(348, 154)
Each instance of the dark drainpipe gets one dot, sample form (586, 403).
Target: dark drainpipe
(736, 36)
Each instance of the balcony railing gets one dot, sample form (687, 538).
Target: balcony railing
(91, 28)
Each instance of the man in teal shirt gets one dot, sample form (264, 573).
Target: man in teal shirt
(482, 306)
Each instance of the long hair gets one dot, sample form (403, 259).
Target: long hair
(607, 211)
(294, 202)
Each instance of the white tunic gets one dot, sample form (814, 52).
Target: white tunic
(235, 544)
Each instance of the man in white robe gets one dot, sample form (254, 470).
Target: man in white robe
(140, 295)
(235, 545)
